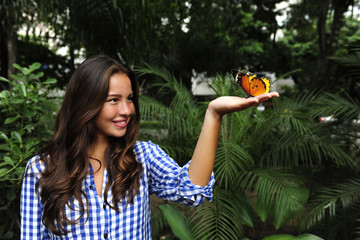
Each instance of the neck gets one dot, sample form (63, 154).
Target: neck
(97, 150)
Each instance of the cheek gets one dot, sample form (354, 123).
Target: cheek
(132, 109)
(106, 112)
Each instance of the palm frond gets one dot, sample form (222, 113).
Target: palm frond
(151, 108)
(274, 189)
(351, 62)
(326, 200)
(168, 84)
(158, 224)
(307, 150)
(230, 160)
(225, 86)
(293, 112)
(181, 114)
(335, 105)
(220, 219)
(180, 153)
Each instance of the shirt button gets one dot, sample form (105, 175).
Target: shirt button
(91, 187)
(105, 235)
(104, 206)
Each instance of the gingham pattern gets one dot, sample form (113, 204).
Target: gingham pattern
(161, 176)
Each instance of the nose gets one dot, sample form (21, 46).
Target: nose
(126, 108)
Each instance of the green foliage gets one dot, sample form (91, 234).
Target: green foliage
(281, 166)
(291, 237)
(179, 224)
(27, 117)
(223, 218)
(179, 113)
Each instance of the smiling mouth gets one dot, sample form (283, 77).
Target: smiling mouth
(121, 124)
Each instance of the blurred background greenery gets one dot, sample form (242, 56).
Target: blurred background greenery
(290, 167)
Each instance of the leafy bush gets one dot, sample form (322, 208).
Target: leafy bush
(27, 116)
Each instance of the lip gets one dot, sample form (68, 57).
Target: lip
(120, 123)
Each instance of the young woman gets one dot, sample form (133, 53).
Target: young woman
(93, 179)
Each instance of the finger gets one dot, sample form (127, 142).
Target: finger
(274, 94)
(266, 96)
(263, 97)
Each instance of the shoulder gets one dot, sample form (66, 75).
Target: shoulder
(146, 151)
(142, 146)
(35, 166)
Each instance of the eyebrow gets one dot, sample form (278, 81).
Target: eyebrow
(118, 95)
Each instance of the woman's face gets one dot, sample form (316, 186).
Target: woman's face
(118, 108)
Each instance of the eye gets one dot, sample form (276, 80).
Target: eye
(130, 98)
(112, 100)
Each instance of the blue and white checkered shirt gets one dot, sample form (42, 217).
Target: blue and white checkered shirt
(161, 176)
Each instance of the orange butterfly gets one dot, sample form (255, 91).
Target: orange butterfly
(251, 84)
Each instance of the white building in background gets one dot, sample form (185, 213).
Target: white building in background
(201, 88)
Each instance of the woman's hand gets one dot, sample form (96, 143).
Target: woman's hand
(228, 104)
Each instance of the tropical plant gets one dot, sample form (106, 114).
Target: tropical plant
(291, 237)
(281, 167)
(27, 113)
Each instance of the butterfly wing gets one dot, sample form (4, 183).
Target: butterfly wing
(252, 85)
(245, 83)
(259, 86)
(243, 79)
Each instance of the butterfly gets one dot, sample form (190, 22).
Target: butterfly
(250, 83)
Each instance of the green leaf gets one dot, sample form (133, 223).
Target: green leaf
(17, 136)
(4, 79)
(34, 66)
(282, 214)
(5, 94)
(16, 150)
(246, 210)
(262, 210)
(17, 100)
(30, 144)
(17, 77)
(179, 224)
(50, 81)
(22, 89)
(3, 136)
(3, 171)
(36, 76)
(22, 69)
(280, 237)
(308, 236)
(9, 161)
(10, 120)
(4, 147)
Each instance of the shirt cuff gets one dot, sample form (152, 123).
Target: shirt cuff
(193, 193)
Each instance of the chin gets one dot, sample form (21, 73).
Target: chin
(118, 135)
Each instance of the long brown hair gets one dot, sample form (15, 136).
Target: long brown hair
(66, 154)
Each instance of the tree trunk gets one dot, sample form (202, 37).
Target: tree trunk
(11, 46)
(340, 7)
(321, 28)
(4, 56)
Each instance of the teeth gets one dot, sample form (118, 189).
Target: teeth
(121, 122)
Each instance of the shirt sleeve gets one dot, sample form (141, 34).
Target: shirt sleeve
(171, 182)
(31, 206)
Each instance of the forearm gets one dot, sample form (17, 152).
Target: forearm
(203, 159)
(202, 162)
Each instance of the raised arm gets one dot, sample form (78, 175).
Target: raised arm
(202, 161)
